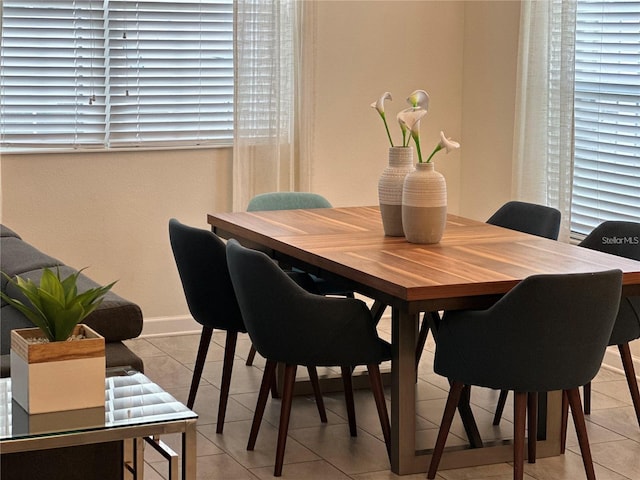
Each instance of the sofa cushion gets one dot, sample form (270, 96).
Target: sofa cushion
(19, 257)
(7, 232)
(11, 319)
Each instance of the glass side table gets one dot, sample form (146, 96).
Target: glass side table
(135, 409)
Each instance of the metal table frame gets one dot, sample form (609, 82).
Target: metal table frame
(149, 432)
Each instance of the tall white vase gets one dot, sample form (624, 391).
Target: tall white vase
(390, 189)
(424, 205)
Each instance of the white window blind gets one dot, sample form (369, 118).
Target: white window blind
(116, 73)
(606, 184)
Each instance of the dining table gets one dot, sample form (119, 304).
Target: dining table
(471, 267)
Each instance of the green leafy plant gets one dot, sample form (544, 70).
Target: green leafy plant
(55, 306)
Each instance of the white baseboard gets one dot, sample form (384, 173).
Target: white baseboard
(612, 361)
(166, 326)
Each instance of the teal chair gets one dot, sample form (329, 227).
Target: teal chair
(287, 201)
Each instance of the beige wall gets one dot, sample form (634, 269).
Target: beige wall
(109, 211)
(489, 86)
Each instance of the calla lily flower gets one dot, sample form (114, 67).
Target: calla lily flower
(419, 98)
(409, 120)
(445, 143)
(379, 106)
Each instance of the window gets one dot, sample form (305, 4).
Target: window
(116, 73)
(606, 184)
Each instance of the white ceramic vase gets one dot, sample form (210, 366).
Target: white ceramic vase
(424, 205)
(390, 189)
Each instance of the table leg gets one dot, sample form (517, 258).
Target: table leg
(138, 459)
(164, 450)
(189, 452)
(377, 310)
(403, 394)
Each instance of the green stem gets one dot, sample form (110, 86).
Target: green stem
(384, 119)
(416, 140)
(435, 150)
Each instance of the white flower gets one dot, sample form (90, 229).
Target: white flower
(419, 98)
(445, 143)
(409, 119)
(379, 106)
(448, 143)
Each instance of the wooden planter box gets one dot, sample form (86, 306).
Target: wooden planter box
(57, 376)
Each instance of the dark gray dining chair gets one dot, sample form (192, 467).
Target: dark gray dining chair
(530, 218)
(622, 239)
(548, 333)
(295, 201)
(287, 324)
(533, 219)
(202, 265)
(201, 259)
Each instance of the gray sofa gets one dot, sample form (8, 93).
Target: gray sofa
(116, 319)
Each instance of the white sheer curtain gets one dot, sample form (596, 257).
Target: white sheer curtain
(543, 142)
(267, 155)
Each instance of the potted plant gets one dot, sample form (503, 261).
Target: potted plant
(60, 364)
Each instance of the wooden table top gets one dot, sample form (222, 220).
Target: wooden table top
(472, 259)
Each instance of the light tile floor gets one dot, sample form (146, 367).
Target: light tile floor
(326, 451)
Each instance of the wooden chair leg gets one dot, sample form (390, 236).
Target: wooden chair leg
(430, 322)
(519, 420)
(629, 371)
(502, 400)
(378, 395)
(275, 394)
(263, 395)
(532, 425)
(447, 418)
(203, 348)
(251, 356)
(565, 420)
(587, 398)
(227, 368)
(573, 397)
(315, 383)
(348, 396)
(285, 414)
(468, 420)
